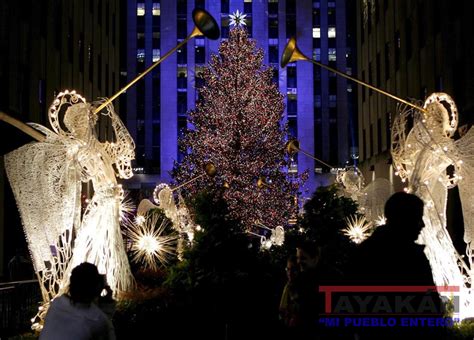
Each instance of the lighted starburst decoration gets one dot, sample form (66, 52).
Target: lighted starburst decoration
(381, 220)
(150, 245)
(358, 229)
(237, 19)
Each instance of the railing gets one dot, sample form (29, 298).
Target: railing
(18, 304)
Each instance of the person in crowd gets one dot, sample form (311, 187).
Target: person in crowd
(391, 257)
(288, 307)
(76, 315)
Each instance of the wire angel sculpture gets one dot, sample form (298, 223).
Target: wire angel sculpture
(178, 214)
(47, 177)
(421, 157)
(370, 198)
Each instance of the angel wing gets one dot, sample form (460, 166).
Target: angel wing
(465, 170)
(46, 185)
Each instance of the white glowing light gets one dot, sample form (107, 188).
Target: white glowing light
(358, 228)
(150, 245)
(381, 220)
(424, 167)
(46, 178)
(237, 19)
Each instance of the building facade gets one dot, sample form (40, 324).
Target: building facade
(410, 48)
(47, 47)
(318, 104)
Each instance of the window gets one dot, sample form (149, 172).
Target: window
(140, 9)
(182, 77)
(387, 61)
(317, 32)
(331, 54)
(273, 8)
(377, 69)
(140, 40)
(199, 55)
(292, 104)
(224, 28)
(408, 38)
(155, 39)
(141, 55)
(331, 32)
(200, 4)
(273, 42)
(398, 45)
(317, 100)
(182, 103)
(273, 28)
(182, 29)
(331, 17)
(156, 55)
(316, 17)
(273, 54)
(291, 76)
(332, 100)
(224, 6)
(317, 54)
(181, 8)
(247, 6)
(181, 57)
(156, 11)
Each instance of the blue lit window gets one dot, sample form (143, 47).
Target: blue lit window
(317, 54)
(140, 9)
(156, 10)
(156, 54)
(140, 55)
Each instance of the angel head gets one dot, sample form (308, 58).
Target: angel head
(441, 115)
(78, 119)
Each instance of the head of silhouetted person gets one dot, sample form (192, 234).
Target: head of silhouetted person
(405, 212)
(85, 283)
(307, 255)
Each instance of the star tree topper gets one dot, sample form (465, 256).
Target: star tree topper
(237, 19)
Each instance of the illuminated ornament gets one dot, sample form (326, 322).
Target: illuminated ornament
(237, 19)
(358, 229)
(149, 244)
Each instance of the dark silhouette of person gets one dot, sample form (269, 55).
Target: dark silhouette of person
(391, 257)
(76, 315)
(288, 307)
(20, 266)
(313, 272)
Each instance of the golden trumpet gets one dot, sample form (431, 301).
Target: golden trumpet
(292, 147)
(204, 24)
(209, 170)
(292, 53)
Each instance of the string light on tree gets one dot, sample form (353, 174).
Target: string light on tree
(237, 126)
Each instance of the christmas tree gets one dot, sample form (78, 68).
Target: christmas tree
(237, 125)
